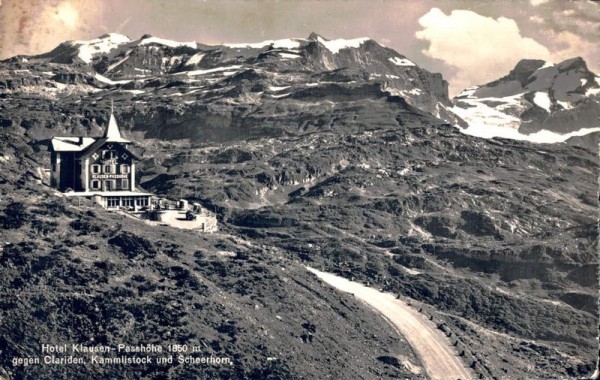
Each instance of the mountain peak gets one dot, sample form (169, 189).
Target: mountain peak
(315, 37)
(528, 65)
(336, 45)
(537, 101)
(572, 64)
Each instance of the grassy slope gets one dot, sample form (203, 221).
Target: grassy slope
(77, 274)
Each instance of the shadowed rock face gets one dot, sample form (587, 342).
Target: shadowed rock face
(589, 141)
(312, 160)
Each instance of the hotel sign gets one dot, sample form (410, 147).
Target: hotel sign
(109, 176)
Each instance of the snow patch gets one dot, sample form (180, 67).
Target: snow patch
(289, 55)
(410, 271)
(173, 61)
(543, 100)
(214, 70)
(483, 119)
(401, 61)
(592, 91)
(335, 46)
(280, 96)
(104, 79)
(104, 44)
(289, 43)
(415, 91)
(169, 43)
(135, 92)
(278, 88)
(487, 122)
(119, 62)
(467, 92)
(194, 59)
(565, 105)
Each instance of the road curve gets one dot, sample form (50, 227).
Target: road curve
(429, 343)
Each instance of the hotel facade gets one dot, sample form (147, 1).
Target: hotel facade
(102, 169)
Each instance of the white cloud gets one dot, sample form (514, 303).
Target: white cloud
(535, 3)
(536, 19)
(570, 45)
(66, 15)
(40, 25)
(481, 49)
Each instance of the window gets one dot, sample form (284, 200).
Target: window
(109, 154)
(124, 183)
(127, 202)
(109, 169)
(95, 169)
(141, 201)
(112, 202)
(124, 169)
(110, 185)
(96, 184)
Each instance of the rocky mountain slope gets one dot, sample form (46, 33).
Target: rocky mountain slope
(537, 101)
(74, 274)
(183, 90)
(334, 154)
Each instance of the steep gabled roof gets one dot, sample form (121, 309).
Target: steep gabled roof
(99, 143)
(88, 145)
(112, 133)
(70, 144)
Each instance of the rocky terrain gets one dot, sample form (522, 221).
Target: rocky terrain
(340, 155)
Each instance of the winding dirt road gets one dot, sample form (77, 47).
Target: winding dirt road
(429, 343)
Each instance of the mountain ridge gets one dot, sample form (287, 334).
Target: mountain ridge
(536, 101)
(239, 78)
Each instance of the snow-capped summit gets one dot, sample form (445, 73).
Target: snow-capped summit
(101, 45)
(148, 39)
(335, 46)
(320, 64)
(537, 101)
(287, 43)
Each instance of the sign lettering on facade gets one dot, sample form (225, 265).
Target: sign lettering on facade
(109, 176)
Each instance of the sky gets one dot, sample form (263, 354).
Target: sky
(470, 42)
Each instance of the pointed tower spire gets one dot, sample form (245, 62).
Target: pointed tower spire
(112, 132)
